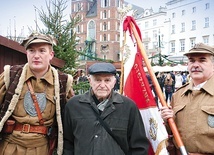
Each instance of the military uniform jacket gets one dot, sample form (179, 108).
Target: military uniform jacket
(194, 116)
(11, 97)
(84, 135)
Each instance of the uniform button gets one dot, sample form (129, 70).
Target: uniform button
(96, 136)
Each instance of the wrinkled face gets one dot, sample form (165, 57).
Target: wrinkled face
(200, 67)
(39, 56)
(102, 84)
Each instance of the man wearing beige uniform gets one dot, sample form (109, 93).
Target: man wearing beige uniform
(32, 99)
(193, 103)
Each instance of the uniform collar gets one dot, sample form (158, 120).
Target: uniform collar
(207, 86)
(47, 77)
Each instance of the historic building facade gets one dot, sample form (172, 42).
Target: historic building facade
(98, 33)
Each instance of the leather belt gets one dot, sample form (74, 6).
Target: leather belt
(200, 154)
(27, 128)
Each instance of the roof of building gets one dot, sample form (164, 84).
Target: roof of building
(93, 10)
(18, 48)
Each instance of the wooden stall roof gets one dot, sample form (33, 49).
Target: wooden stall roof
(17, 47)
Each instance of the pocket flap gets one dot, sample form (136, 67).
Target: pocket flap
(178, 108)
(208, 109)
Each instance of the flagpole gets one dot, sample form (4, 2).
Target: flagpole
(158, 91)
(122, 64)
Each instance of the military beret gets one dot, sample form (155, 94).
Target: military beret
(201, 48)
(99, 68)
(38, 38)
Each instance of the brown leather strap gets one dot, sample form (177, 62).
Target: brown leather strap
(200, 154)
(36, 105)
(27, 128)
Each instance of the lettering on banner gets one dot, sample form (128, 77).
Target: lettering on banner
(142, 84)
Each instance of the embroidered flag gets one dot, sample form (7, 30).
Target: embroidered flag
(136, 87)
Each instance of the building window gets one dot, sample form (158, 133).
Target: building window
(105, 3)
(192, 42)
(155, 44)
(155, 35)
(172, 46)
(104, 37)
(146, 35)
(146, 46)
(104, 14)
(78, 28)
(182, 27)
(118, 56)
(207, 6)
(182, 45)
(183, 12)
(105, 26)
(91, 30)
(154, 22)
(194, 10)
(146, 24)
(173, 15)
(206, 22)
(117, 3)
(78, 7)
(173, 29)
(193, 25)
(206, 39)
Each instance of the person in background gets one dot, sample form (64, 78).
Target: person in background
(117, 84)
(152, 88)
(192, 104)
(168, 87)
(178, 80)
(102, 121)
(184, 77)
(32, 100)
(174, 81)
(160, 79)
(82, 79)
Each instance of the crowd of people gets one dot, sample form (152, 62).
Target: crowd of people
(40, 114)
(169, 82)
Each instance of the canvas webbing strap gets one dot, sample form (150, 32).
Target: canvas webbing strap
(36, 105)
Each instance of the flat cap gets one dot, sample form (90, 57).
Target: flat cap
(201, 48)
(38, 38)
(99, 68)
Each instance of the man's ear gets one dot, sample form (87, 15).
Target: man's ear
(52, 54)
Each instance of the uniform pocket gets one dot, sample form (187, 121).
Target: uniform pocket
(178, 108)
(209, 110)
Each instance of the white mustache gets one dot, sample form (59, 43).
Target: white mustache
(196, 70)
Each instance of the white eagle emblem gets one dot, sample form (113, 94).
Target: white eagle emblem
(153, 128)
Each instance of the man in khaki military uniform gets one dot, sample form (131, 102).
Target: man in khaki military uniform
(193, 104)
(27, 127)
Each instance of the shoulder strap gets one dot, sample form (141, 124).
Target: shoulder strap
(36, 105)
(106, 127)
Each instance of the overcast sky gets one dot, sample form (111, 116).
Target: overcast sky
(16, 16)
